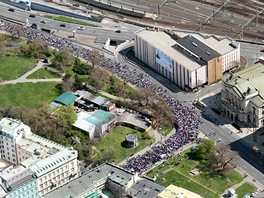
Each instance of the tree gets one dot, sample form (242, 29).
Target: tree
(66, 115)
(206, 147)
(62, 59)
(225, 155)
(67, 83)
(99, 77)
(146, 95)
(94, 57)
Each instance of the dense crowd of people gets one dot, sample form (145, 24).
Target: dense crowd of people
(187, 118)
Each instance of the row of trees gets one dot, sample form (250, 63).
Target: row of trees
(214, 156)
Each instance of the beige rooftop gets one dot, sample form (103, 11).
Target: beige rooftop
(163, 42)
(247, 82)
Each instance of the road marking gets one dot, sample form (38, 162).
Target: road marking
(250, 155)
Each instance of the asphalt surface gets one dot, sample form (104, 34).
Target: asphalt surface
(105, 29)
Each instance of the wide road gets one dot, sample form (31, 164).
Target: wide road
(103, 31)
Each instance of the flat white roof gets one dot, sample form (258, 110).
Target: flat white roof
(217, 43)
(163, 42)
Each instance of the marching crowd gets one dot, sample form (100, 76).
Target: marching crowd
(186, 118)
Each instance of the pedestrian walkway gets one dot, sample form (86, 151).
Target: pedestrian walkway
(23, 78)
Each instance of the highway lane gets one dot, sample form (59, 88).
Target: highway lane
(125, 34)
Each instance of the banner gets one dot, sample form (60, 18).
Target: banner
(164, 61)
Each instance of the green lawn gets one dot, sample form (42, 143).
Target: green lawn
(70, 20)
(29, 95)
(166, 129)
(12, 67)
(212, 180)
(43, 73)
(244, 189)
(8, 38)
(173, 177)
(118, 83)
(113, 142)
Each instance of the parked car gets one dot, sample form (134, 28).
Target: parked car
(32, 15)
(43, 21)
(118, 31)
(80, 28)
(63, 25)
(11, 10)
(76, 4)
(34, 25)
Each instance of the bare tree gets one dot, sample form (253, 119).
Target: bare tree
(95, 57)
(100, 77)
(225, 155)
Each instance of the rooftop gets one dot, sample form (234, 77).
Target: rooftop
(247, 82)
(98, 100)
(16, 176)
(81, 122)
(45, 154)
(90, 180)
(146, 188)
(220, 44)
(164, 43)
(12, 127)
(198, 48)
(66, 98)
(177, 192)
(99, 118)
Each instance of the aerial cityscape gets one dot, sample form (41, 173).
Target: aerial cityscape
(131, 99)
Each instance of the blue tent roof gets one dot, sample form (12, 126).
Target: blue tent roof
(66, 98)
(99, 118)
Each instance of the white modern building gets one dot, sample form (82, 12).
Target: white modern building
(11, 131)
(52, 164)
(187, 59)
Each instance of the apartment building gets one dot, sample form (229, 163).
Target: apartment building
(11, 131)
(18, 182)
(52, 164)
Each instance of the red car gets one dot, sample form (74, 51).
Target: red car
(262, 50)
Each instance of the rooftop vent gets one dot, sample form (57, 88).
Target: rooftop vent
(193, 43)
(208, 53)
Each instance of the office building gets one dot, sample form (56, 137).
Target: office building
(189, 60)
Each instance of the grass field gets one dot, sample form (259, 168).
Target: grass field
(166, 129)
(244, 189)
(70, 20)
(8, 38)
(29, 95)
(114, 140)
(12, 67)
(206, 184)
(43, 73)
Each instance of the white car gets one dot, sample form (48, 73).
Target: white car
(80, 28)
